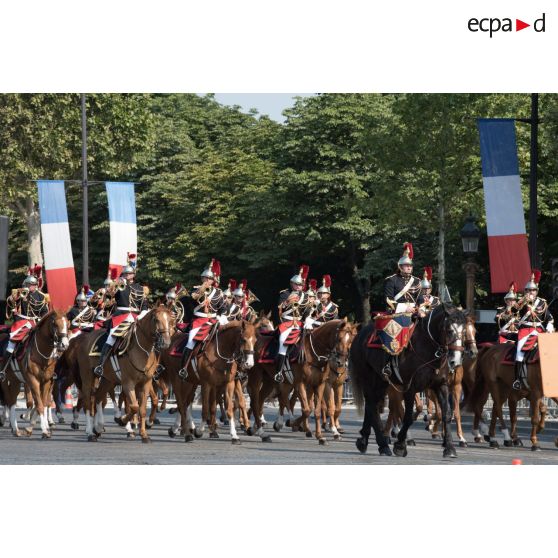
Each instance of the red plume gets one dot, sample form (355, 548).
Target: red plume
(304, 269)
(85, 288)
(537, 275)
(233, 284)
(428, 272)
(313, 284)
(513, 286)
(113, 273)
(38, 270)
(177, 287)
(216, 267)
(244, 284)
(327, 281)
(132, 256)
(409, 246)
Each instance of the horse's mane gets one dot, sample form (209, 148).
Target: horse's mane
(230, 325)
(50, 314)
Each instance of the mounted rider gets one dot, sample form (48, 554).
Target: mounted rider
(26, 306)
(325, 310)
(426, 301)
(81, 316)
(103, 299)
(131, 305)
(240, 308)
(228, 292)
(173, 303)
(292, 304)
(507, 317)
(211, 304)
(534, 318)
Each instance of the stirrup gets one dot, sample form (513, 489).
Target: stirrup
(386, 372)
(183, 374)
(516, 385)
(279, 378)
(98, 370)
(2, 376)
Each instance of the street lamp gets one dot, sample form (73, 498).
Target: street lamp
(470, 235)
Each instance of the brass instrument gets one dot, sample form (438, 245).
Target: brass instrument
(121, 284)
(22, 293)
(252, 298)
(201, 290)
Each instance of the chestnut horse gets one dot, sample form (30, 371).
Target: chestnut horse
(36, 364)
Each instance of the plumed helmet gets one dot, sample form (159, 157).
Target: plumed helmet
(326, 285)
(311, 291)
(81, 297)
(107, 282)
(230, 288)
(533, 283)
(511, 294)
(300, 277)
(212, 271)
(128, 269)
(30, 280)
(426, 282)
(241, 290)
(171, 294)
(407, 257)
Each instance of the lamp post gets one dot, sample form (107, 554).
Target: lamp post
(470, 235)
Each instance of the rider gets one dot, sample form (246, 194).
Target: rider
(26, 306)
(534, 318)
(131, 305)
(174, 305)
(292, 304)
(81, 316)
(401, 291)
(426, 301)
(240, 308)
(325, 310)
(228, 292)
(211, 304)
(506, 317)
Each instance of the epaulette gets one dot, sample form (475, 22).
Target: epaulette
(283, 291)
(46, 297)
(390, 276)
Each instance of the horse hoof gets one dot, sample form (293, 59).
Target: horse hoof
(249, 431)
(243, 428)
(435, 436)
(535, 447)
(235, 442)
(148, 426)
(172, 411)
(300, 428)
(450, 452)
(288, 423)
(97, 434)
(494, 444)
(336, 437)
(156, 421)
(130, 435)
(146, 440)
(486, 438)
(119, 421)
(400, 449)
(45, 436)
(362, 445)
(411, 442)
(28, 431)
(308, 434)
(226, 423)
(266, 439)
(393, 433)
(197, 432)
(341, 430)
(213, 435)
(188, 438)
(518, 442)
(277, 427)
(321, 441)
(91, 438)
(16, 433)
(75, 426)
(61, 420)
(463, 444)
(171, 433)
(508, 443)
(384, 450)
(477, 440)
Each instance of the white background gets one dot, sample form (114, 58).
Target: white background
(271, 46)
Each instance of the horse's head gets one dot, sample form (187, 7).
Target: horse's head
(454, 333)
(470, 336)
(163, 324)
(339, 358)
(56, 325)
(247, 343)
(263, 322)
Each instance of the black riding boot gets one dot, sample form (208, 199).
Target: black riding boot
(279, 363)
(98, 370)
(517, 371)
(183, 372)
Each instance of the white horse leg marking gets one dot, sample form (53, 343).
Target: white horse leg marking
(189, 419)
(506, 434)
(483, 427)
(13, 418)
(462, 439)
(476, 433)
(99, 418)
(88, 424)
(44, 421)
(262, 420)
(234, 435)
(49, 416)
(279, 417)
(177, 423)
(117, 411)
(128, 427)
(260, 432)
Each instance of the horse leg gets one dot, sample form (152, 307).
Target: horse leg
(305, 397)
(512, 405)
(239, 397)
(199, 430)
(35, 389)
(372, 420)
(319, 393)
(400, 446)
(330, 406)
(457, 388)
(100, 396)
(543, 409)
(338, 397)
(229, 403)
(418, 406)
(442, 393)
(534, 403)
(144, 393)
(212, 422)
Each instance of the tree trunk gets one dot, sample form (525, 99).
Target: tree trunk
(30, 214)
(362, 296)
(442, 251)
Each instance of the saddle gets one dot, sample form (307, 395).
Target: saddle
(123, 333)
(531, 356)
(177, 347)
(268, 352)
(392, 332)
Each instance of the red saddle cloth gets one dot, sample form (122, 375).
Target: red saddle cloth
(23, 331)
(508, 358)
(392, 332)
(182, 327)
(269, 351)
(205, 325)
(178, 345)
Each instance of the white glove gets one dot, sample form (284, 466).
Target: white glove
(222, 319)
(550, 327)
(308, 323)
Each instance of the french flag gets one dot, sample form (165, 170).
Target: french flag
(505, 220)
(57, 248)
(122, 218)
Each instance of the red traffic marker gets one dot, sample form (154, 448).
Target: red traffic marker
(516, 461)
(519, 25)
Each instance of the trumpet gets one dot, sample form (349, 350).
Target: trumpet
(121, 284)
(201, 290)
(23, 293)
(252, 297)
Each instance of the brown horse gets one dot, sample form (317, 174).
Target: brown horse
(36, 370)
(137, 366)
(495, 378)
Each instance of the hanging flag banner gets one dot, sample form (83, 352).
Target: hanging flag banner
(122, 217)
(57, 248)
(505, 220)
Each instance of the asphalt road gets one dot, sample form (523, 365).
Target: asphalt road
(70, 447)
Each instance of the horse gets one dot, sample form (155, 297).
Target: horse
(137, 366)
(496, 378)
(36, 364)
(436, 338)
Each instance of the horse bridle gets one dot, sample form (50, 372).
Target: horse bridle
(239, 354)
(336, 357)
(56, 341)
(441, 350)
